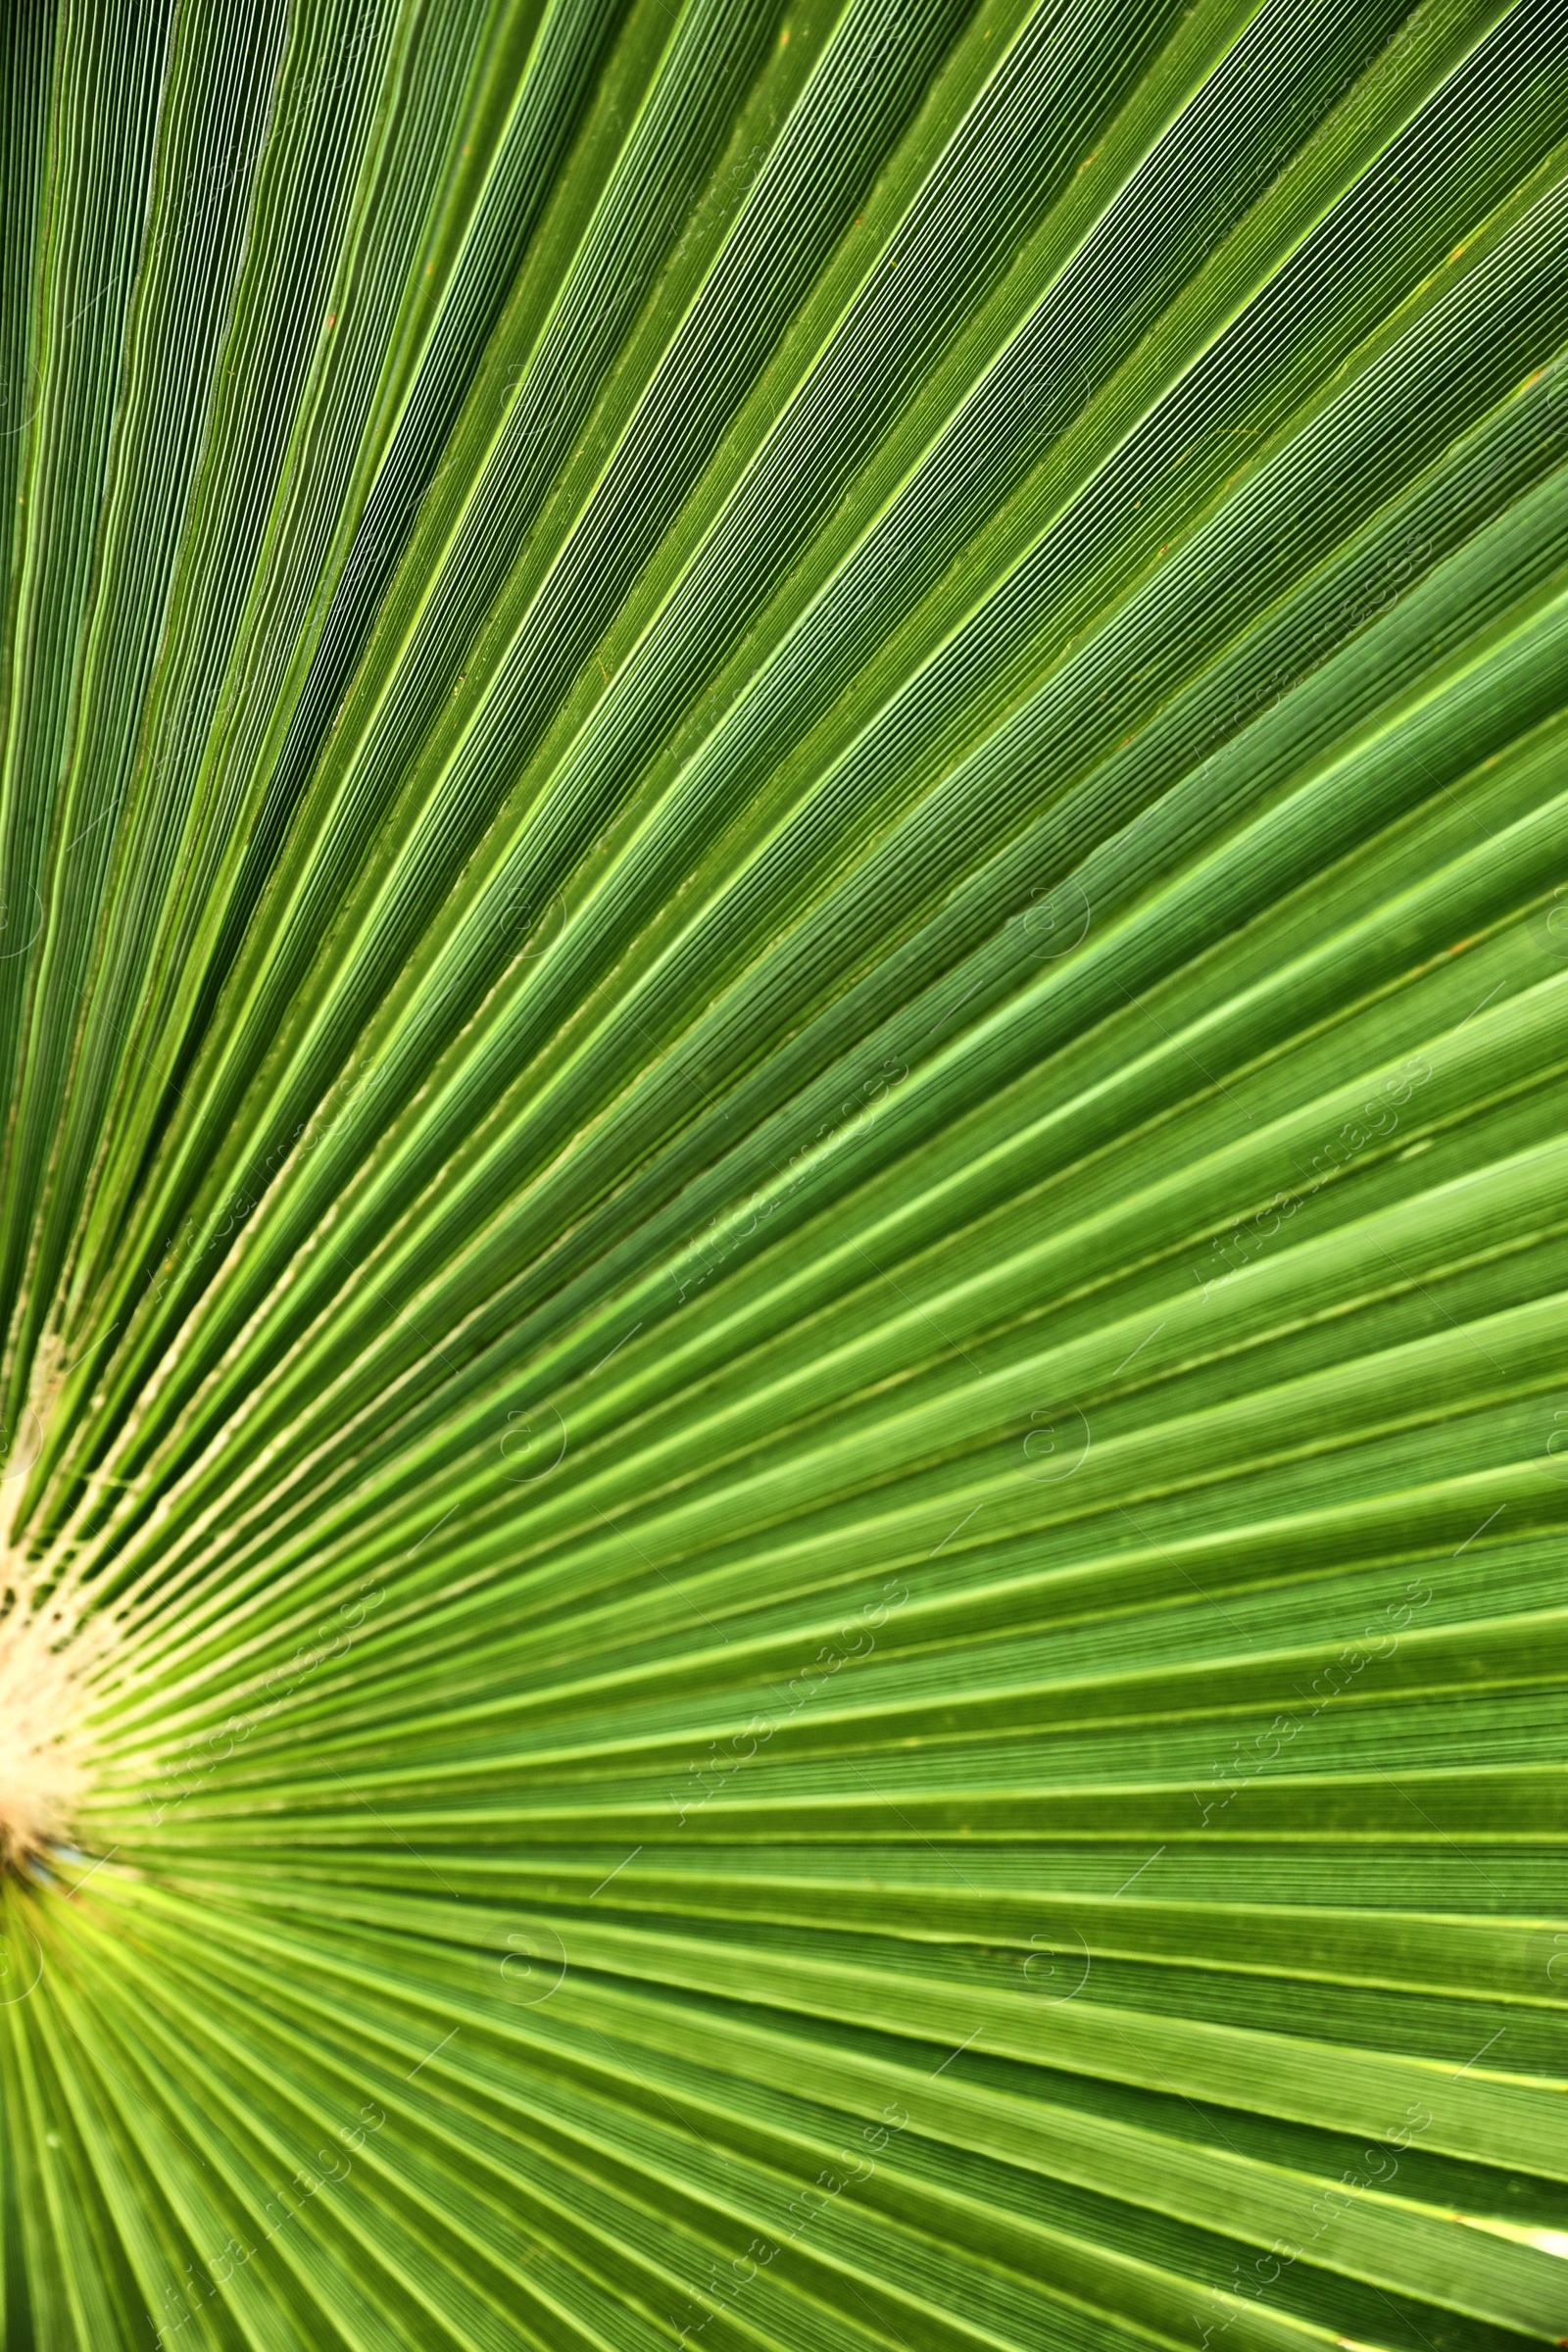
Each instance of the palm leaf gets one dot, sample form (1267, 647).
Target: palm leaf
(783, 1249)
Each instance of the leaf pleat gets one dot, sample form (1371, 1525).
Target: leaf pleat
(783, 1238)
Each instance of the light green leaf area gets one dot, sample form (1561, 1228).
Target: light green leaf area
(784, 1192)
